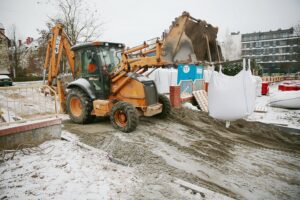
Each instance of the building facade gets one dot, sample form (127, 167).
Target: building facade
(277, 51)
(4, 52)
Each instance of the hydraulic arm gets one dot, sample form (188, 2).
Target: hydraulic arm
(56, 44)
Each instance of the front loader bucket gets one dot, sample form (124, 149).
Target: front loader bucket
(191, 40)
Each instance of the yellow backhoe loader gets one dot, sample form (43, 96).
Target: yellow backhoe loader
(109, 80)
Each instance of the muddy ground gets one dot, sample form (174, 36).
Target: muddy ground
(249, 160)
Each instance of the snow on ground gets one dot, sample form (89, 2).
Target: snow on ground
(285, 117)
(60, 169)
(63, 170)
(28, 83)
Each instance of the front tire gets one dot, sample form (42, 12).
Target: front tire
(79, 106)
(124, 117)
(166, 110)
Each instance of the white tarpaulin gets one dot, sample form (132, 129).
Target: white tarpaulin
(163, 79)
(286, 99)
(231, 97)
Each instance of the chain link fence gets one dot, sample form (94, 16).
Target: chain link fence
(27, 102)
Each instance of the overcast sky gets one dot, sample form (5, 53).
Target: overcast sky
(133, 21)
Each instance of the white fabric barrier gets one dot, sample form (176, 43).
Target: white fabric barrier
(231, 97)
(163, 78)
(207, 74)
(258, 80)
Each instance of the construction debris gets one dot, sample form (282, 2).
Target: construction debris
(205, 193)
(261, 109)
(9, 116)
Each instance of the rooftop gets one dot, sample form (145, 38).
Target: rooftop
(289, 30)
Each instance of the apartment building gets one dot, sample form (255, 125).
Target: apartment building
(277, 51)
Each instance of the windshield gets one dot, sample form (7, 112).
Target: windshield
(109, 56)
(93, 61)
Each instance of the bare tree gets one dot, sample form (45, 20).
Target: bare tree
(81, 22)
(32, 64)
(15, 51)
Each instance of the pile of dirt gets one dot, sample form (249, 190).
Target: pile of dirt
(190, 40)
(198, 32)
(240, 131)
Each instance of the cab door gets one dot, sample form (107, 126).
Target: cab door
(88, 65)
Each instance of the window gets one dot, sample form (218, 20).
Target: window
(273, 58)
(283, 43)
(285, 35)
(77, 66)
(110, 56)
(273, 51)
(258, 44)
(265, 58)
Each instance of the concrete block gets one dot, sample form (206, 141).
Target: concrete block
(34, 132)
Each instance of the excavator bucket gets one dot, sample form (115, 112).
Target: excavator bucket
(191, 40)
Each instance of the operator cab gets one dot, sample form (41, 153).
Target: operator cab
(94, 61)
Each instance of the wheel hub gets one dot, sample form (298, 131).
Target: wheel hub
(75, 106)
(120, 118)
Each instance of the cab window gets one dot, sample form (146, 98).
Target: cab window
(86, 63)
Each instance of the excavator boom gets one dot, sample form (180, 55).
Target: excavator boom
(56, 44)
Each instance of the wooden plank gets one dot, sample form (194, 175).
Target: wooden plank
(205, 193)
(202, 99)
(9, 115)
(261, 109)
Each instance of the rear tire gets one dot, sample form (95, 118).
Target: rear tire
(124, 117)
(79, 106)
(166, 110)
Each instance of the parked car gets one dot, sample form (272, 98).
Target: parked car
(5, 81)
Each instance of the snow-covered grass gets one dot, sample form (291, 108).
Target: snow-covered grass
(63, 170)
(281, 116)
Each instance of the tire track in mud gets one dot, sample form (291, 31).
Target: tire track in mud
(196, 148)
(135, 149)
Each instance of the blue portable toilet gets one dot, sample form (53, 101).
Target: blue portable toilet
(189, 72)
